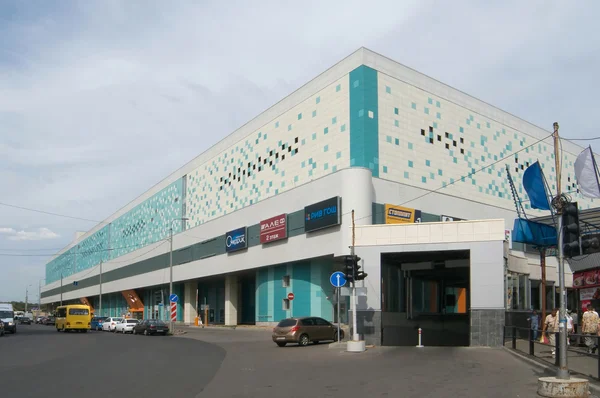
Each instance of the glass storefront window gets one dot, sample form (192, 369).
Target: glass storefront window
(517, 291)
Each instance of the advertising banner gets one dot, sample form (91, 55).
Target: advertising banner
(401, 215)
(591, 293)
(323, 214)
(273, 229)
(236, 240)
(586, 279)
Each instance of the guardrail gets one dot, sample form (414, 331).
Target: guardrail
(579, 360)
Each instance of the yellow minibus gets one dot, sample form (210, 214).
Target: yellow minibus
(73, 317)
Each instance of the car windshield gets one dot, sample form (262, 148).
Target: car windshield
(159, 323)
(286, 323)
(6, 314)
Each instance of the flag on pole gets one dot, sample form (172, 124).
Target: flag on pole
(587, 174)
(533, 182)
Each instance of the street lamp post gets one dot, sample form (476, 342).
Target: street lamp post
(27, 296)
(183, 219)
(40, 293)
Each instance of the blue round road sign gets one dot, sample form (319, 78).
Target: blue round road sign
(173, 298)
(337, 279)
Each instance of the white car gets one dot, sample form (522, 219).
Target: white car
(126, 326)
(110, 324)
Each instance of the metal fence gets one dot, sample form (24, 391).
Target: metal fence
(579, 359)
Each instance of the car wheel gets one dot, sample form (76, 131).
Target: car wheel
(304, 340)
(341, 335)
(134, 332)
(281, 344)
(123, 331)
(146, 332)
(57, 329)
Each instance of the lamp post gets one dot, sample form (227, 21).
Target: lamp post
(182, 219)
(40, 293)
(27, 296)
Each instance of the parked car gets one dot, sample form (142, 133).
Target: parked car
(1, 328)
(151, 326)
(24, 321)
(304, 330)
(110, 323)
(49, 320)
(39, 319)
(97, 322)
(126, 326)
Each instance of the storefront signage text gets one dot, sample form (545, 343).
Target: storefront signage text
(273, 229)
(323, 214)
(401, 215)
(236, 240)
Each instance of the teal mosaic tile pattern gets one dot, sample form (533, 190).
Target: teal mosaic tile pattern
(306, 142)
(148, 222)
(87, 254)
(364, 126)
(448, 143)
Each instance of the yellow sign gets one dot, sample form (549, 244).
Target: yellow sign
(399, 214)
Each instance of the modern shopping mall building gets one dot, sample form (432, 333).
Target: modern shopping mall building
(269, 212)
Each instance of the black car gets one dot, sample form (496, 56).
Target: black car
(24, 321)
(151, 326)
(1, 328)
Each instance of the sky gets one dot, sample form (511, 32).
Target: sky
(100, 100)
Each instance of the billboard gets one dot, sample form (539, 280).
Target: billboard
(324, 214)
(236, 240)
(401, 215)
(273, 229)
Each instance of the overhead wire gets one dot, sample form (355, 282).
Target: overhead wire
(50, 213)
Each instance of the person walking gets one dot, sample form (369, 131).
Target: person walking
(589, 327)
(534, 321)
(551, 327)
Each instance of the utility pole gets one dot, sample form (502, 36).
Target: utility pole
(40, 294)
(558, 203)
(543, 287)
(100, 283)
(353, 302)
(26, 297)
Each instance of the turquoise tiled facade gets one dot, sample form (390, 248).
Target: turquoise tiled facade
(145, 224)
(148, 222)
(309, 281)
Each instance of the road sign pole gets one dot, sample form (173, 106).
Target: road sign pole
(338, 312)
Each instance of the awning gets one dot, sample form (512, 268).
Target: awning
(518, 264)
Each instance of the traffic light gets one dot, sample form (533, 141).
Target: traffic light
(570, 224)
(352, 271)
(572, 244)
(349, 268)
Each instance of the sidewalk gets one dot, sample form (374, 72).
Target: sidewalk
(577, 357)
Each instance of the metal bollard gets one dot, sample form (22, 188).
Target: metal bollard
(531, 345)
(598, 341)
(556, 350)
(514, 337)
(420, 345)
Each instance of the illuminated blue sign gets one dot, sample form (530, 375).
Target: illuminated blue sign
(236, 240)
(323, 214)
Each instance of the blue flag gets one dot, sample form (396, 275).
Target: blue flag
(535, 186)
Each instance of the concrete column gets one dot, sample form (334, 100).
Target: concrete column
(231, 300)
(189, 302)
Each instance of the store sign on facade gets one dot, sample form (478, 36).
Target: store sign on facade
(323, 214)
(236, 240)
(586, 279)
(273, 229)
(401, 215)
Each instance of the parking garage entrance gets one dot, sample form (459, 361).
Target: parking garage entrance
(427, 290)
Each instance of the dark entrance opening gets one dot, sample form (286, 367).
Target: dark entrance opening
(247, 298)
(427, 290)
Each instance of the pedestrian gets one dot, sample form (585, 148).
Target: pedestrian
(589, 327)
(569, 327)
(551, 327)
(534, 321)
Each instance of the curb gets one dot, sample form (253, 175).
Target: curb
(594, 387)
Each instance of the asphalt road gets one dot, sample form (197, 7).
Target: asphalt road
(211, 363)
(40, 362)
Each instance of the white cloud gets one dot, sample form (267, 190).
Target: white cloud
(39, 234)
(8, 231)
